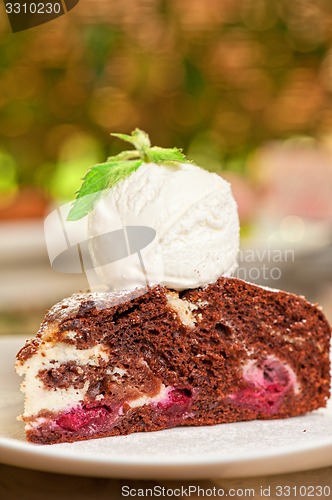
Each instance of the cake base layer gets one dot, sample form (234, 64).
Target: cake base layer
(106, 364)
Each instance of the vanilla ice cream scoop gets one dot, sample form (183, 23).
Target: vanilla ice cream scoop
(195, 219)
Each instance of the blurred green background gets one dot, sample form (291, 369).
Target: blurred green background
(217, 78)
(243, 86)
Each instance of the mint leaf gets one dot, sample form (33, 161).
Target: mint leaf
(163, 155)
(82, 206)
(121, 169)
(99, 178)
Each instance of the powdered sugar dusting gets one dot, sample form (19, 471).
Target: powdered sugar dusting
(70, 306)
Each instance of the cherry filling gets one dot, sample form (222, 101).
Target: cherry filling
(93, 419)
(175, 406)
(177, 401)
(80, 417)
(269, 380)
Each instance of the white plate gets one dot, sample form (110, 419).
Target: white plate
(229, 450)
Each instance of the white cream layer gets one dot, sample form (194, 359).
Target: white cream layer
(183, 308)
(38, 398)
(143, 400)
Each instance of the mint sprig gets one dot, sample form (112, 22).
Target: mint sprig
(106, 175)
(99, 178)
(140, 140)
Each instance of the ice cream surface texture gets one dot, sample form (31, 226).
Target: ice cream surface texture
(195, 219)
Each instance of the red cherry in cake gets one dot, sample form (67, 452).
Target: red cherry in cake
(177, 401)
(269, 381)
(80, 417)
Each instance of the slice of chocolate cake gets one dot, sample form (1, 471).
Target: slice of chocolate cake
(104, 364)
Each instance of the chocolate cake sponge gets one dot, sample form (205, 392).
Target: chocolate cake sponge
(105, 364)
